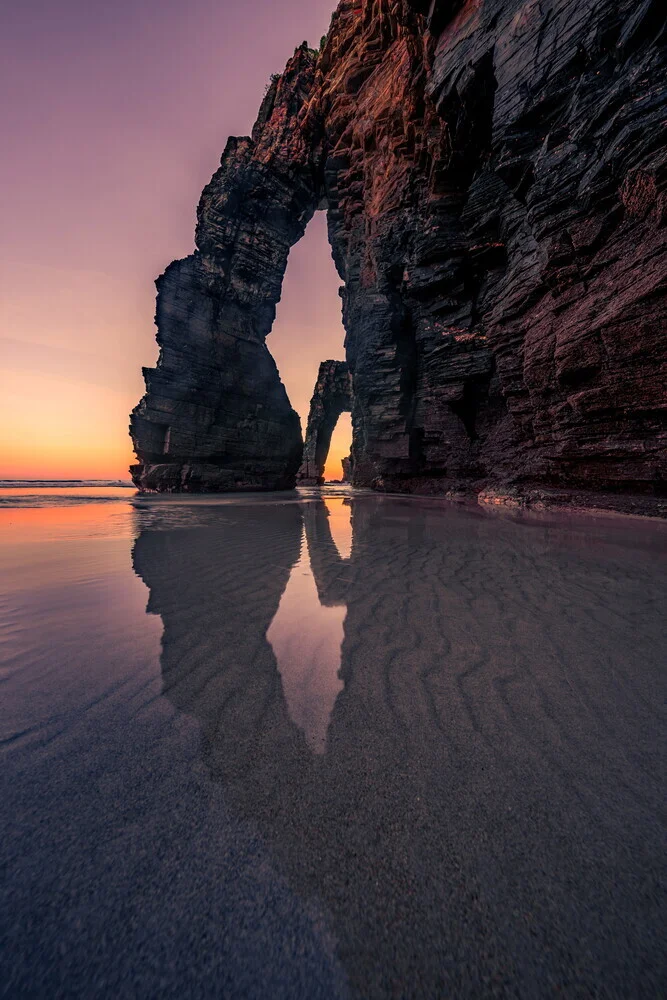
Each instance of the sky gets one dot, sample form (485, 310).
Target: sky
(113, 118)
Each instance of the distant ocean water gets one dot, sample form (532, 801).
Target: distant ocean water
(61, 483)
(62, 492)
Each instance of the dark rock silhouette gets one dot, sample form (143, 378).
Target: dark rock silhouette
(494, 175)
(332, 396)
(216, 415)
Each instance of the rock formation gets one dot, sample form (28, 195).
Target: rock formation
(494, 174)
(216, 415)
(332, 396)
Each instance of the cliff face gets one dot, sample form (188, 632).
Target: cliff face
(331, 397)
(562, 233)
(494, 173)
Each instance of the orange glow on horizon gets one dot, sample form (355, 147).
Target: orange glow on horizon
(341, 441)
(54, 429)
(71, 379)
(133, 131)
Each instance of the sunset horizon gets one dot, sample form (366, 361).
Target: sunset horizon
(128, 180)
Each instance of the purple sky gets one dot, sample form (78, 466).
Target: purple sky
(113, 119)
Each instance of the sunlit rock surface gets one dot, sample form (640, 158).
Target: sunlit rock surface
(494, 177)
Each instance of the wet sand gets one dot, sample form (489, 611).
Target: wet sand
(331, 745)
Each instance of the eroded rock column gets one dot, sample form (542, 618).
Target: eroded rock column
(216, 415)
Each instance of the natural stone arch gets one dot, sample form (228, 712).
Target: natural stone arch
(477, 236)
(332, 396)
(216, 415)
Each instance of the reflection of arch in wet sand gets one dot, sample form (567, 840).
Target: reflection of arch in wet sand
(306, 633)
(217, 584)
(486, 778)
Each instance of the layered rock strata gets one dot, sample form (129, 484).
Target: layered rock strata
(331, 397)
(216, 415)
(494, 174)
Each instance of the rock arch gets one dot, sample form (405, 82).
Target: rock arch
(216, 415)
(479, 218)
(332, 396)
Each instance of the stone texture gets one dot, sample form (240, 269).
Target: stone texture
(332, 396)
(216, 415)
(494, 173)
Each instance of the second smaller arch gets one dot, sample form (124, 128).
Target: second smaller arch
(332, 396)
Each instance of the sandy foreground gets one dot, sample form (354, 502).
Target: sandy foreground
(329, 744)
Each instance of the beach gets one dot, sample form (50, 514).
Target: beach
(326, 743)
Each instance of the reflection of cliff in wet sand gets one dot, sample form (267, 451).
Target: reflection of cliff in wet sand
(484, 818)
(307, 631)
